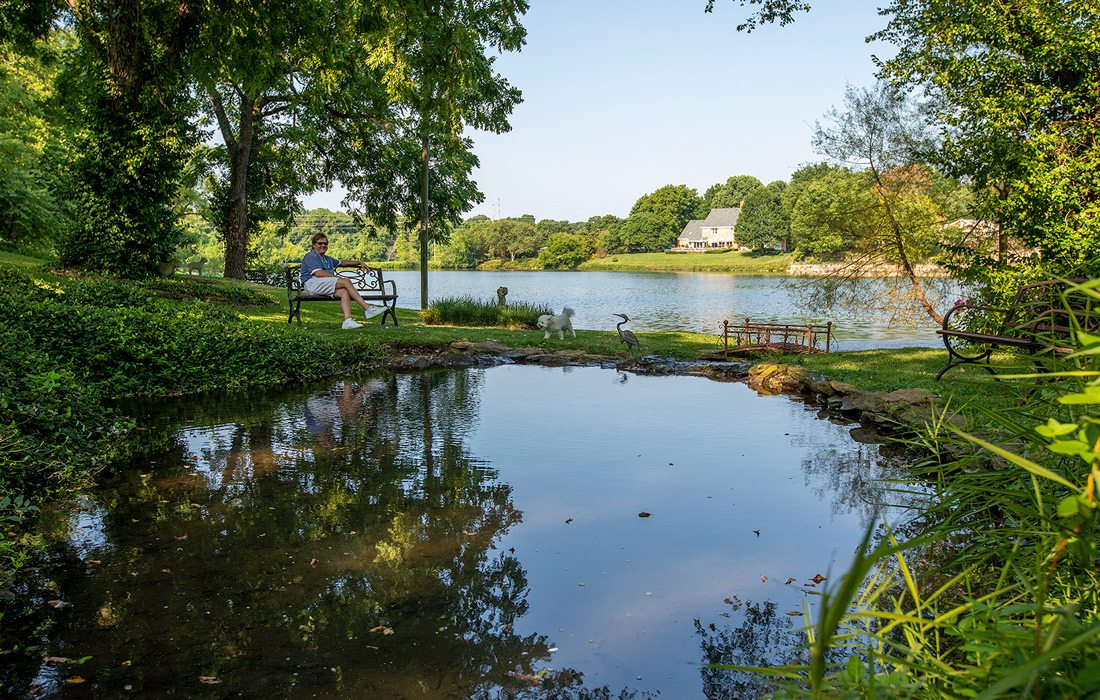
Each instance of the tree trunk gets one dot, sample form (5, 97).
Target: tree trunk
(424, 222)
(899, 244)
(236, 223)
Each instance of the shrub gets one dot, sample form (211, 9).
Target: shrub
(467, 311)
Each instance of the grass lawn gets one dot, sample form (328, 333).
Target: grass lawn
(726, 261)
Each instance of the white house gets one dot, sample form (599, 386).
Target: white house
(715, 231)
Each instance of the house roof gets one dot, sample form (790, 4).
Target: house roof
(722, 217)
(692, 231)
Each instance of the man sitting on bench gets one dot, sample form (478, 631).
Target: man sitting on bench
(319, 278)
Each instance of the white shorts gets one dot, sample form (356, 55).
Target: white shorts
(320, 286)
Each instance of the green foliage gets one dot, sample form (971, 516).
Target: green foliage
(468, 311)
(827, 218)
(566, 251)
(645, 232)
(134, 136)
(730, 193)
(1017, 91)
(33, 211)
(764, 222)
(673, 206)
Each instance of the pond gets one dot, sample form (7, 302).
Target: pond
(502, 532)
(680, 301)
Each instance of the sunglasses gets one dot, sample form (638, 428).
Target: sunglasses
(321, 243)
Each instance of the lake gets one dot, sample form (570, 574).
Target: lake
(515, 531)
(676, 301)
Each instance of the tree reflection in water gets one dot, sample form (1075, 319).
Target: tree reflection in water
(337, 544)
(762, 637)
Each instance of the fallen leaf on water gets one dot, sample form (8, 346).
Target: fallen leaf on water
(643, 514)
(313, 563)
(75, 679)
(56, 660)
(470, 533)
(197, 505)
(209, 680)
(181, 538)
(789, 581)
(764, 579)
(712, 627)
(533, 680)
(383, 629)
(818, 578)
(57, 604)
(756, 532)
(92, 561)
(794, 613)
(568, 520)
(512, 550)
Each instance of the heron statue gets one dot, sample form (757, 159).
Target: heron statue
(626, 337)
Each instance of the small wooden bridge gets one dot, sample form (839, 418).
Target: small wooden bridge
(751, 336)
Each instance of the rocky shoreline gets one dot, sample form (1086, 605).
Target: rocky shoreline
(879, 414)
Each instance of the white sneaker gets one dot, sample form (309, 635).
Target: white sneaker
(372, 311)
(350, 323)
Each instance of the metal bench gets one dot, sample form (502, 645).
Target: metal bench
(1041, 320)
(368, 282)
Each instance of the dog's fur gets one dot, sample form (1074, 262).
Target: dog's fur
(557, 324)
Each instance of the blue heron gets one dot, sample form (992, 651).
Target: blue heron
(626, 337)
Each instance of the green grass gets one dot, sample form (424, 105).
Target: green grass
(468, 311)
(727, 261)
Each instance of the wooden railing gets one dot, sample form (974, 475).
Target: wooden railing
(787, 337)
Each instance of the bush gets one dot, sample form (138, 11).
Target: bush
(467, 311)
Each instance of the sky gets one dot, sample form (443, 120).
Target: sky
(623, 97)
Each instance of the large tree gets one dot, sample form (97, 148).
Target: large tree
(730, 193)
(438, 72)
(1017, 87)
(673, 206)
(880, 132)
(764, 222)
(126, 77)
(292, 95)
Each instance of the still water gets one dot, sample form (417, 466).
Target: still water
(514, 531)
(679, 301)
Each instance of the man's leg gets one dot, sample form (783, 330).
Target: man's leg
(345, 299)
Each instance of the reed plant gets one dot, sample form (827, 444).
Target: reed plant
(468, 311)
(993, 592)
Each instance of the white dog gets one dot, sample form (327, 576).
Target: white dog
(557, 324)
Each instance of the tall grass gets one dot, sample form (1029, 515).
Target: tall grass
(994, 592)
(468, 311)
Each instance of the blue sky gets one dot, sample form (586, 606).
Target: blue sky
(623, 97)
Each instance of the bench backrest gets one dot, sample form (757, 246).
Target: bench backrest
(1051, 312)
(368, 280)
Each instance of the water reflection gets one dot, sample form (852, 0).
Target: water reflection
(455, 534)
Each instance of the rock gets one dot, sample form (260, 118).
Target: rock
(843, 388)
(775, 377)
(866, 435)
